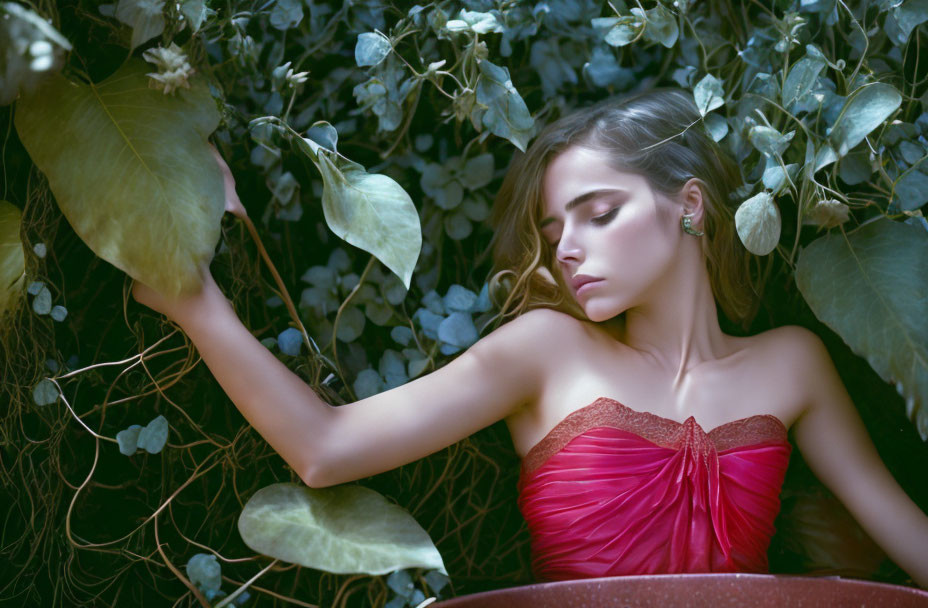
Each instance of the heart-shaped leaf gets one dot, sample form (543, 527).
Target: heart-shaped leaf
(12, 257)
(708, 94)
(341, 529)
(869, 287)
(131, 170)
(368, 210)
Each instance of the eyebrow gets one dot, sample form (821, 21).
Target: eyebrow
(583, 198)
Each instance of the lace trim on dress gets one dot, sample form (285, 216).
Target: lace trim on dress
(606, 412)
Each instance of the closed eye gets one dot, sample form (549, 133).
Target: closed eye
(599, 220)
(605, 218)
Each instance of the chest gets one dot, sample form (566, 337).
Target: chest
(743, 384)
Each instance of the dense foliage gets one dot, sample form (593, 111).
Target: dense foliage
(367, 140)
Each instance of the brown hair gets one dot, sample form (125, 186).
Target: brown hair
(657, 134)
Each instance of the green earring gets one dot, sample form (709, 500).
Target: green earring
(687, 222)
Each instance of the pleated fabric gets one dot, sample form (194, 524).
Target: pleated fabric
(612, 491)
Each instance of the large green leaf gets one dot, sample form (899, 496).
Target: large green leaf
(342, 529)
(368, 210)
(131, 170)
(871, 288)
(12, 257)
(865, 109)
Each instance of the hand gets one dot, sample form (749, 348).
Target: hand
(177, 308)
(233, 203)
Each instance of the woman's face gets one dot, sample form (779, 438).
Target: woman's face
(609, 225)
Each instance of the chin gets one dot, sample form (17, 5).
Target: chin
(600, 311)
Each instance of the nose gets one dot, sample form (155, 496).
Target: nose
(568, 252)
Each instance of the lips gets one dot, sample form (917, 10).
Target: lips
(578, 281)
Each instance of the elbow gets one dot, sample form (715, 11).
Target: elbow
(314, 477)
(319, 476)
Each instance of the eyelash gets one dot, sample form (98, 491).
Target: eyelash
(599, 220)
(605, 218)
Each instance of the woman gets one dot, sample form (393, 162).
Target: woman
(652, 442)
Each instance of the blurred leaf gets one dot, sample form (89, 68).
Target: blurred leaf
(459, 299)
(12, 257)
(132, 172)
(869, 287)
(855, 168)
(341, 529)
(45, 392)
(717, 126)
(204, 571)
(154, 435)
(371, 49)
(30, 49)
(42, 304)
(865, 110)
(662, 26)
(436, 581)
(548, 61)
(478, 171)
(59, 313)
(457, 226)
(351, 324)
(367, 384)
(827, 214)
(507, 115)
(195, 13)
(290, 341)
(910, 191)
(401, 582)
(908, 15)
(286, 14)
(458, 329)
(128, 439)
(429, 322)
(146, 17)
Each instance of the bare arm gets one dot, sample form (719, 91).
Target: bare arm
(835, 443)
(329, 445)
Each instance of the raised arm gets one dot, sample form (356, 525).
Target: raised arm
(329, 445)
(835, 443)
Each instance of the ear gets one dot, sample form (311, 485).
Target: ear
(691, 197)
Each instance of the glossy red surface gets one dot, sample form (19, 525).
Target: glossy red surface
(695, 590)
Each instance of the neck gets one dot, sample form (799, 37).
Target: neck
(676, 324)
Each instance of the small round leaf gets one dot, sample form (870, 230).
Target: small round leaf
(757, 221)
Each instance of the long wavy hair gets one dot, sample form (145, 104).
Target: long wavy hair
(657, 134)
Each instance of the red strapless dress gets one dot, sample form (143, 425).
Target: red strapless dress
(612, 491)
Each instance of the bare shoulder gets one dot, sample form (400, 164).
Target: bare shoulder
(800, 344)
(798, 354)
(533, 337)
(540, 326)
